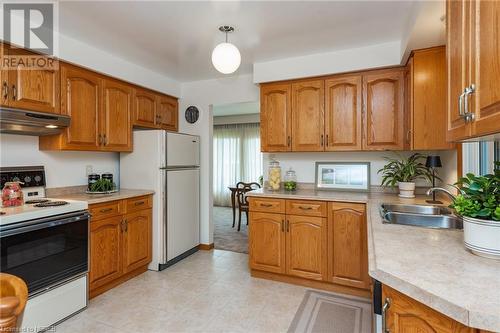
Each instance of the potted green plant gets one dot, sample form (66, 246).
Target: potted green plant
(479, 205)
(403, 172)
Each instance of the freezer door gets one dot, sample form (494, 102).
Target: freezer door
(182, 150)
(183, 217)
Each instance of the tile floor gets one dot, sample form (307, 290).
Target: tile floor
(211, 291)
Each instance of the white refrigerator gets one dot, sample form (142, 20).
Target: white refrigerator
(167, 163)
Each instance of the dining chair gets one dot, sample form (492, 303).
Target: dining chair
(243, 205)
(13, 297)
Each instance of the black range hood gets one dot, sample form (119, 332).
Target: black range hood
(24, 122)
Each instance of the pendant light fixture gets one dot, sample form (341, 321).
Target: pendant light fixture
(226, 57)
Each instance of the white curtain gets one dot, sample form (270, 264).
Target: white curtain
(237, 157)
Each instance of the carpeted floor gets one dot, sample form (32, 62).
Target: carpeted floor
(226, 237)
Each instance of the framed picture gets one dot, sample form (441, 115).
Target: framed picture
(346, 176)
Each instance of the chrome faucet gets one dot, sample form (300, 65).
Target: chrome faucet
(440, 189)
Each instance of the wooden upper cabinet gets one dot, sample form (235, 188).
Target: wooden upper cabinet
(137, 240)
(167, 113)
(383, 93)
(308, 115)
(105, 251)
(485, 59)
(428, 100)
(347, 245)
(275, 117)
(406, 315)
(30, 89)
(81, 92)
(306, 247)
(145, 108)
(343, 113)
(457, 25)
(267, 242)
(116, 115)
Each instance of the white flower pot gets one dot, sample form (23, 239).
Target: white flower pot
(482, 237)
(406, 189)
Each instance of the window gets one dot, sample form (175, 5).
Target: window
(479, 157)
(237, 157)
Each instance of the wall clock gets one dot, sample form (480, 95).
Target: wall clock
(192, 114)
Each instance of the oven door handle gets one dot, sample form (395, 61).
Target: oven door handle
(48, 224)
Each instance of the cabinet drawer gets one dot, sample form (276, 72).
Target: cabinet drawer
(139, 203)
(306, 208)
(267, 205)
(104, 210)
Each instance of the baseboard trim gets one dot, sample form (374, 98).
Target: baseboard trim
(206, 247)
(311, 283)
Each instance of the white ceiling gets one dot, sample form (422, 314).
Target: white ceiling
(176, 38)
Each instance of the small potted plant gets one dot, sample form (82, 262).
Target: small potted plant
(479, 205)
(404, 171)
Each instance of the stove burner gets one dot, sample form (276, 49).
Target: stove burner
(2, 213)
(35, 201)
(51, 204)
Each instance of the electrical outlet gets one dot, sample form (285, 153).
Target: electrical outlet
(89, 169)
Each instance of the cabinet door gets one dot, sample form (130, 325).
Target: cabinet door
(343, 113)
(406, 315)
(306, 247)
(485, 67)
(308, 115)
(383, 93)
(137, 240)
(105, 251)
(81, 100)
(428, 75)
(33, 89)
(267, 242)
(167, 113)
(347, 245)
(144, 108)
(275, 117)
(457, 27)
(116, 116)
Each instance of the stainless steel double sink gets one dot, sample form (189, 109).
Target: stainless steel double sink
(438, 217)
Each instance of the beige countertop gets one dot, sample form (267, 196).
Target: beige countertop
(429, 265)
(100, 198)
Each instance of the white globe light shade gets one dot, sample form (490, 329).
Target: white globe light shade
(226, 58)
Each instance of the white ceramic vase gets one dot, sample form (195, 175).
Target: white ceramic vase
(406, 189)
(482, 237)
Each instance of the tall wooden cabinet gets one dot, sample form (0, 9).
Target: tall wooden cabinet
(473, 39)
(308, 115)
(383, 116)
(33, 89)
(275, 117)
(343, 109)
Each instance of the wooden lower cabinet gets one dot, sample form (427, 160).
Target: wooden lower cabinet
(327, 247)
(306, 247)
(267, 242)
(120, 243)
(347, 245)
(406, 315)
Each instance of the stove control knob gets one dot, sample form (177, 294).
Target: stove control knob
(38, 178)
(27, 179)
(16, 179)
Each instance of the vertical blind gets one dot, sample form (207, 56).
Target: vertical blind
(237, 157)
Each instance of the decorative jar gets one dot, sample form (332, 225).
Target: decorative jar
(12, 194)
(290, 183)
(274, 175)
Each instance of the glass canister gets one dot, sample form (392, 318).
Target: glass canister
(274, 175)
(290, 183)
(12, 194)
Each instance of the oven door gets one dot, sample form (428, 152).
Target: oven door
(46, 251)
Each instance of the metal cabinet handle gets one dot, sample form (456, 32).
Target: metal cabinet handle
(327, 140)
(305, 208)
(282, 225)
(105, 140)
(287, 226)
(289, 141)
(408, 133)
(14, 92)
(106, 210)
(385, 307)
(322, 141)
(139, 203)
(5, 90)
(125, 224)
(469, 116)
(460, 104)
(100, 139)
(266, 205)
